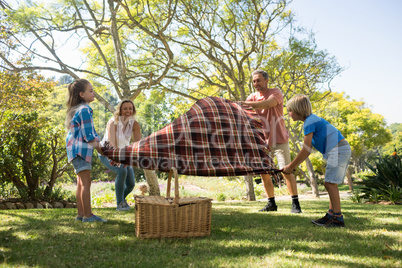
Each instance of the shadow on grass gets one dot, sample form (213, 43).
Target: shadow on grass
(240, 237)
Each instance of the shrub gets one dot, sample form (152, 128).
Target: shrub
(221, 197)
(374, 196)
(357, 197)
(8, 190)
(386, 182)
(393, 194)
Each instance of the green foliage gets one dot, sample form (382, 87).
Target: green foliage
(393, 194)
(60, 193)
(31, 143)
(7, 190)
(386, 182)
(103, 193)
(318, 163)
(374, 196)
(221, 197)
(153, 112)
(396, 143)
(25, 150)
(357, 197)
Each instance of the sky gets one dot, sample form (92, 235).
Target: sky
(365, 36)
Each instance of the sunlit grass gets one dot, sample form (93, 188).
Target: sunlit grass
(240, 236)
(220, 189)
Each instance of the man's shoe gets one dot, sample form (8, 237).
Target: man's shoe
(322, 220)
(296, 208)
(269, 207)
(334, 222)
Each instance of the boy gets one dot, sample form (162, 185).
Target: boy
(335, 149)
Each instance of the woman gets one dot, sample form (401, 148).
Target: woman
(120, 129)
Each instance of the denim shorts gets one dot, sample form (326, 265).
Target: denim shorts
(80, 164)
(337, 164)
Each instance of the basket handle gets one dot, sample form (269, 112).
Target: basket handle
(173, 170)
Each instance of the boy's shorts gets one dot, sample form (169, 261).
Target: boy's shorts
(80, 164)
(282, 154)
(337, 164)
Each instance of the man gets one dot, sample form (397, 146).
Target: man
(268, 103)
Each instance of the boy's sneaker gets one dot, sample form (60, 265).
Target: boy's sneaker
(323, 220)
(334, 222)
(93, 218)
(123, 206)
(295, 208)
(269, 207)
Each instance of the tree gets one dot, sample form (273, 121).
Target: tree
(396, 143)
(26, 142)
(184, 47)
(24, 151)
(101, 28)
(222, 42)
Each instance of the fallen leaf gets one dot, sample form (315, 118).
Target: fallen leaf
(387, 246)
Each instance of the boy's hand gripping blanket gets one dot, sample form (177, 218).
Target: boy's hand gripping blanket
(216, 137)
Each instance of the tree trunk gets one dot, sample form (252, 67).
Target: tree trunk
(306, 178)
(53, 174)
(249, 187)
(17, 182)
(152, 181)
(349, 179)
(313, 181)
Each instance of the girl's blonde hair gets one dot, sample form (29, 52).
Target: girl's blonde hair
(117, 113)
(301, 105)
(74, 98)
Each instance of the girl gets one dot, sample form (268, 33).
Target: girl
(80, 141)
(120, 129)
(335, 149)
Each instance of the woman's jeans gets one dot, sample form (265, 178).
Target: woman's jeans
(125, 180)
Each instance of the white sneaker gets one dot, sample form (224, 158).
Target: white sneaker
(123, 206)
(93, 218)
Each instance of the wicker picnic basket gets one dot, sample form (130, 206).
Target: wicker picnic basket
(158, 216)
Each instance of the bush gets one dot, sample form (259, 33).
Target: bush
(8, 190)
(357, 197)
(386, 182)
(221, 197)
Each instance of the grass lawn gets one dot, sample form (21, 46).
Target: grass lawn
(240, 237)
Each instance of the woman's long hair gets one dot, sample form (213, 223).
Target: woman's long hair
(74, 98)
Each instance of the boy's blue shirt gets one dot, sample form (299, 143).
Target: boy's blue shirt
(82, 131)
(325, 135)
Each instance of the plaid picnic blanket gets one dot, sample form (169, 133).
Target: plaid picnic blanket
(216, 137)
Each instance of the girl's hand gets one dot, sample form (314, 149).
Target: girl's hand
(113, 163)
(99, 148)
